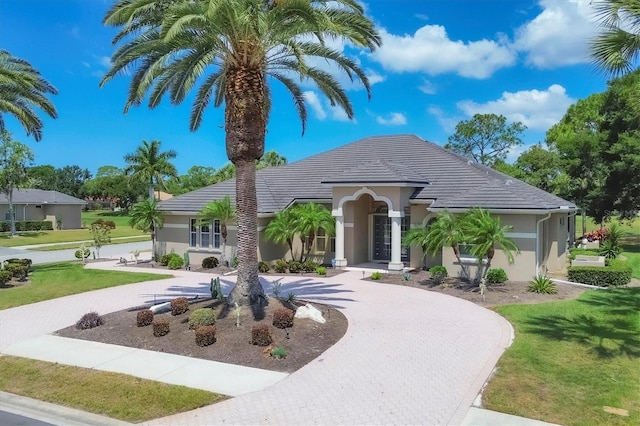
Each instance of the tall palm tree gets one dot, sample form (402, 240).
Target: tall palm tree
(486, 232)
(615, 50)
(223, 211)
(146, 217)
(446, 231)
(308, 219)
(234, 49)
(417, 237)
(22, 90)
(282, 229)
(147, 164)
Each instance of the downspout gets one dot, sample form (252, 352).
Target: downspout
(537, 274)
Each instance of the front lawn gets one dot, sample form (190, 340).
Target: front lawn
(572, 359)
(114, 395)
(64, 236)
(52, 280)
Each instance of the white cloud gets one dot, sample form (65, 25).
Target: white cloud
(312, 99)
(338, 114)
(429, 50)
(536, 109)
(447, 123)
(105, 61)
(559, 35)
(427, 87)
(392, 119)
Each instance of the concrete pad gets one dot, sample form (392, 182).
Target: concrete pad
(227, 379)
(480, 416)
(80, 353)
(145, 364)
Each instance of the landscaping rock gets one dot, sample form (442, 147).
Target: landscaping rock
(311, 312)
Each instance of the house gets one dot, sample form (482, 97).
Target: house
(38, 204)
(377, 188)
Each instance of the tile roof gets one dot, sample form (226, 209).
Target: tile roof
(451, 180)
(40, 196)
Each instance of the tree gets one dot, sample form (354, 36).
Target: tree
(113, 185)
(223, 211)
(22, 90)
(271, 159)
(42, 177)
(417, 237)
(486, 138)
(538, 167)
(615, 49)
(147, 164)
(309, 218)
(14, 158)
(69, 180)
(485, 232)
(146, 217)
(101, 235)
(282, 229)
(232, 48)
(197, 177)
(446, 231)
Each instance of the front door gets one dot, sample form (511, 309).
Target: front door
(382, 238)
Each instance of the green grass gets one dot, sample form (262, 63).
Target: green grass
(118, 396)
(631, 228)
(52, 280)
(570, 359)
(121, 219)
(76, 245)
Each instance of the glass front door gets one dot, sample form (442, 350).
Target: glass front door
(382, 238)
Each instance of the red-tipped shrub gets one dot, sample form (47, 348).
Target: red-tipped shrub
(205, 335)
(260, 335)
(144, 318)
(160, 327)
(283, 318)
(179, 305)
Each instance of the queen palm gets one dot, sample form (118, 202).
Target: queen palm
(615, 50)
(233, 49)
(445, 231)
(146, 217)
(147, 164)
(309, 218)
(282, 229)
(22, 90)
(223, 211)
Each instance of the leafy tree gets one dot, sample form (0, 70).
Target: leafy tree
(282, 229)
(271, 159)
(615, 49)
(446, 231)
(309, 218)
(538, 167)
(42, 177)
(112, 184)
(22, 90)
(234, 49)
(485, 232)
(147, 164)
(70, 179)
(197, 177)
(101, 235)
(146, 217)
(226, 172)
(224, 211)
(14, 157)
(485, 138)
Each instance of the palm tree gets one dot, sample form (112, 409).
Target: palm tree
(615, 50)
(282, 229)
(224, 211)
(417, 237)
(308, 219)
(146, 217)
(22, 89)
(271, 159)
(147, 164)
(485, 232)
(446, 231)
(233, 49)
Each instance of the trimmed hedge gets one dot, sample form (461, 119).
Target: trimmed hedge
(27, 225)
(615, 274)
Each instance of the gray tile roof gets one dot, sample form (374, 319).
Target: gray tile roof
(40, 196)
(452, 181)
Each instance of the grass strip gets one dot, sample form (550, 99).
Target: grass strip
(114, 395)
(76, 245)
(53, 280)
(571, 359)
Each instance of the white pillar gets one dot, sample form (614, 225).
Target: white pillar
(396, 241)
(341, 262)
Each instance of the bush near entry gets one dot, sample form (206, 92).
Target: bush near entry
(616, 273)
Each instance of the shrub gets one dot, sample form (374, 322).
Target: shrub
(263, 267)
(89, 320)
(106, 223)
(28, 225)
(280, 266)
(17, 270)
(160, 327)
(438, 274)
(295, 266)
(210, 262)
(609, 249)
(376, 275)
(205, 335)
(278, 353)
(175, 263)
(406, 276)
(291, 297)
(496, 276)
(5, 277)
(321, 270)
(166, 258)
(309, 266)
(617, 273)
(80, 254)
(179, 305)
(283, 318)
(23, 262)
(201, 317)
(144, 318)
(543, 285)
(260, 335)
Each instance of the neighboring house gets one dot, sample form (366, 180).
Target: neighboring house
(377, 188)
(38, 204)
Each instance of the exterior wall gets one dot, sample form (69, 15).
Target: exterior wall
(71, 214)
(557, 247)
(420, 217)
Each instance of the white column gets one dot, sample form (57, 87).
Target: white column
(396, 241)
(341, 262)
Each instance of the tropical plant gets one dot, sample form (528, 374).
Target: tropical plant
(446, 231)
(271, 159)
(14, 157)
(438, 274)
(309, 218)
(146, 217)
(22, 89)
(282, 228)
(231, 48)
(223, 211)
(615, 49)
(147, 164)
(376, 275)
(417, 237)
(609, 249)
(543, 285)
(484, 232)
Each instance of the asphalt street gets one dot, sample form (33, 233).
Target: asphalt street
(10, 419)
(112, 251)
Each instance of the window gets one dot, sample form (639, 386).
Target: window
(216, 234)
(7, 215)
(205, 235)
(193, 233)
(321, 240)
(465, 250)
(202, 235)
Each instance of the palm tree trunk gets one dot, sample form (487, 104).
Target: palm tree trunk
(152, 195)
(456, 251)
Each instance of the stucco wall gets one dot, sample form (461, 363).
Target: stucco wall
(71, 214)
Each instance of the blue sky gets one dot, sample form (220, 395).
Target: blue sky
(441, 62)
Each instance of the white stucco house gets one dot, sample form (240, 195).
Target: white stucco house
(39, 204)
(377, 188)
